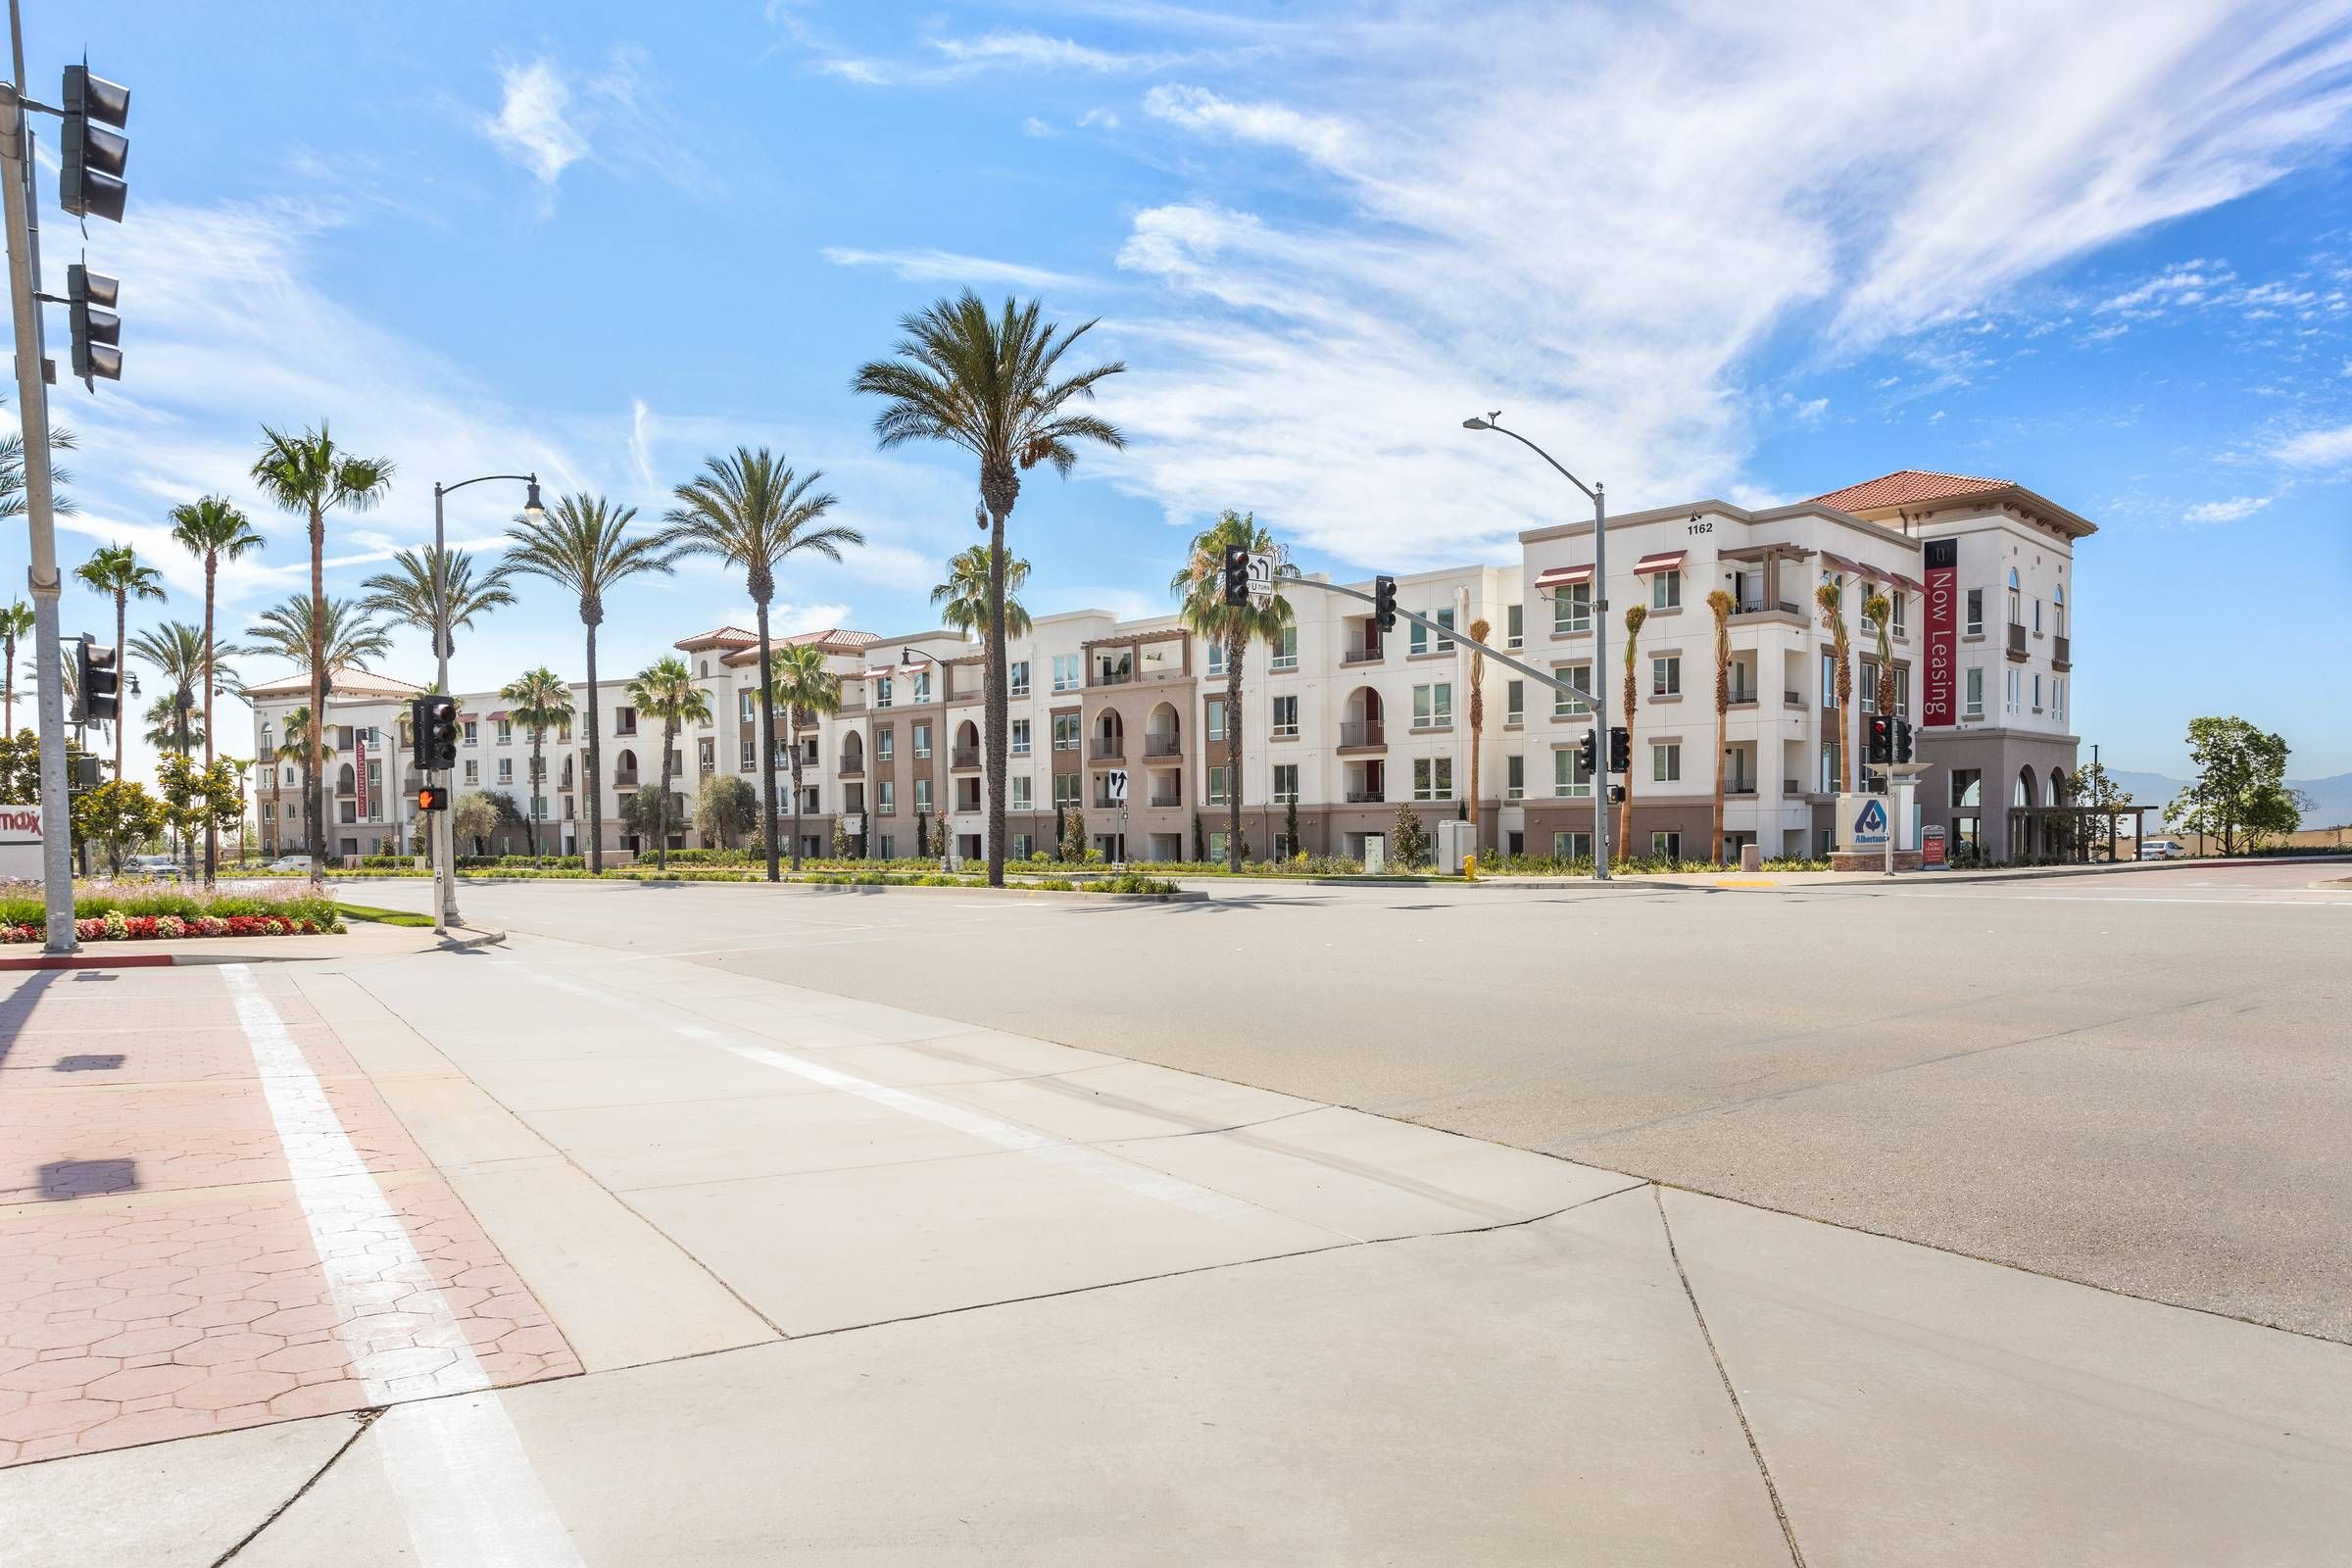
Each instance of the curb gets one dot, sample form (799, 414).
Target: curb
(87, 960)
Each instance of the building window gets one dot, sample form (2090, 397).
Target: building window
(1019, 786)
(1902, 602)
(1579, 676)
(474, 772)
(1433, 706)
(473, 732)
(1286, 716)
(1976, 613)
(1572, 846)
(1828, 680)
(923, 688)
(2037, 691)
(1433, 779)
(2017, 602)
(1569, 779)
(1065, 732)
(1216, 658)
(1968, 784)
(1514, 625)
(2011, 694)
(1571, 609)
(1216, 719)
(750, 756)
(1022, 846)
(506, 769)
(624, 722)
(1514, 777)
(1020, 737)
(1421, 634)
(1066, 674)
(1216, 846)
(882, 693)
(2058, 609)
(1065, 791)
(506, 732)
(1666, 676)
(922, 742)
(1666, 763)
(886, 742)
(890, 846)
(1975, 692)
(922, 794)
(1665, 590)
(1286, 648)
(2057, 697)
(1016, 678)
(1869, 681)
(743, 706)
(2036, 617)
(1216, 786)
(1515, 702)
(1285, 783)
(1666, 846)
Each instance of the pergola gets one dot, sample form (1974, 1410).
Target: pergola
(2033, 825)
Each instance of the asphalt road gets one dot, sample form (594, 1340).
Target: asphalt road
(2134, 1080)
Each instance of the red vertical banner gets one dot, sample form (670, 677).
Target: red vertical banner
(366, 807)
(1939, 706)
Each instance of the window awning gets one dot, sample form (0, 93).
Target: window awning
(1663, 560)
(1563, 577)
(1906, 584)
(495, 718)
(1835, 562)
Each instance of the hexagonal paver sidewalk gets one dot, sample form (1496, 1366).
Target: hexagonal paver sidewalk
(158, 1276)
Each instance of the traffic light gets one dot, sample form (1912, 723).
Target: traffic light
(1881, 739)
(1902, 739)
(1621, 749)
(1384, 603)
(1236, 575)
(1616, 794)
(91, 155)
(432, 797)
(97, 683)
(95, 327)
(434, 734)
(1587, 752)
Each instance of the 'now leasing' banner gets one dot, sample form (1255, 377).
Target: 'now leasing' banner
(1937, 706)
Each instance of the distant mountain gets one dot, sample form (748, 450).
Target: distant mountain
(2330, 797)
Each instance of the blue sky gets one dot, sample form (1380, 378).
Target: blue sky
(1701, 250)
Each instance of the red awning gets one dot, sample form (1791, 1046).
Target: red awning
(495, 718)
(1833, 563)
(1663, 560)
(1906, 584)
(1563, 577)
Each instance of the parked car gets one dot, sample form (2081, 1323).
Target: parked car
(153, 867)
(291, 862)
(2162, 849)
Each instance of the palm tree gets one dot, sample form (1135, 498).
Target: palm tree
(354, 638)
(1479, 629)
(988, 385)
(1722, 604)
(405, 593)
(12, 473)
(1831, 597)
(16, 624)
(963, 598)
(1200, 585)
(539, 700)
(753, 512)
(213, 532)
(1879, 610)
(173, 724)
(803, 685)
(115, 569)
(665, 690)
(177, 651)
(1634, 617)
(294, 746)
(309, 474)
(584, 545)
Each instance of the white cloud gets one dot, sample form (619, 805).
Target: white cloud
(2230, 511)
(930, 265)
(1034, 126)
(2316, 449)
(547, 121)
(1320, 138)
(1100, 119)
(533, 124)
(957, 59)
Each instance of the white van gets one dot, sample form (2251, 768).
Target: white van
(2162, 849)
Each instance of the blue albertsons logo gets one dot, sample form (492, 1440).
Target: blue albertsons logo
(1872, 820)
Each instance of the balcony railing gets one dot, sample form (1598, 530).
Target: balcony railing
(1757, 607)
(1163, 746)
(1366, 797)
(2062, 653)
(1742, 697)
(1359, 655)
(851, 767)
(624, 778)
(1107, 748)
(1793, 698)
(1175, 797)
(964, 757)
(1110, 677)
(1363, 732)
(2017, 640)
(1792, 786)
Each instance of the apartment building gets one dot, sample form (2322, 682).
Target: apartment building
(1128, 720)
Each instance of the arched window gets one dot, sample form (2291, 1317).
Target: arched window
(2023, 795)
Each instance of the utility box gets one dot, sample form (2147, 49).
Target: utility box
(1455, 844)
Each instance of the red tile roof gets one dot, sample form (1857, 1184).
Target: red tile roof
(716, 637)
(1909, 487)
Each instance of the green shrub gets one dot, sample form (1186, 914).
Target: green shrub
(133, 900)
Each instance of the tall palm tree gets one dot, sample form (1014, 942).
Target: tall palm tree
(1201, 586)
(16, 624)
(213, 532)
(308, 473)
(1722, 604)
(1831, 597)
(963, 598)
(752, 511)
(355, 637)
(992, 386)
(1636, 616)
(539, 700)
(177, 652)
(1479, 629)
(665, 690)
(584, 545)
(114, 570)
(12, 473)
(803, 685)
(173, 723)
(1879, 610)
(294, 746)
(405, 593)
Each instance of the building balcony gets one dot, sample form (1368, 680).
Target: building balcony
(1790, 699)
(2017, 641)
(1112, 677)
(2062, 653)
(1367, 797)
(964, 757)
(1107, 748)
(1171, 797)
(1792, 787)
(624, 778)
(1163, 746)
(1359, 655)
(1364, 735)
(1758, 607)
(851, 767)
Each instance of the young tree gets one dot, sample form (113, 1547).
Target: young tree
(116, 571)
(471, 820)
(2241, 792)
(1408, 840)
(584, 546)
(1636, 616)
(1073, 834)
(213, 532)
(752, 511)
(1200, 587)
(15, 624)
(200, 798)
(538, 700)
(725, 810)
(806, 689)
(308, 474)
(991, 385)
(1878, 618)
(2097, 788)
(1721, 605)
(665, 689)
(1290, 825)
(1474, 814)
(1831, 597)
(118, 816)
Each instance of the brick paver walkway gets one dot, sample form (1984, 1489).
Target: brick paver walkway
(159, 1275)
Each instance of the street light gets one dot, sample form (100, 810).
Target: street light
(1597, 493)
(445, 874)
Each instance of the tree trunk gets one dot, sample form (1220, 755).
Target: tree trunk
(1625, 811)
(538, 782)
(767, 748)
(1845, 709)
(1234, 650)
(8, 690)
(670, 732)
(316, 784)
(212, 834)
(122, 672)
(792, 739)
(994, 707)
(594, 780)
(1720, 716)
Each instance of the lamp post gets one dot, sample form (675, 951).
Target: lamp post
(444, 865)
(1597, 493)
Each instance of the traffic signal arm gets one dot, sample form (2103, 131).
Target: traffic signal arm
(1451, 634)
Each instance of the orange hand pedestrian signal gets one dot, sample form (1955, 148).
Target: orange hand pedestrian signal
(432, 797)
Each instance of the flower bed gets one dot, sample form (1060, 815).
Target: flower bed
(135, 911)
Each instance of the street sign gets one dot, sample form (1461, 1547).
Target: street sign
(1114, 786)
(1931, 843)
(1862, 823)
(1261, 576)
(21, 842)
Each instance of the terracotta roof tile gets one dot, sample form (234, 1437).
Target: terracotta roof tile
(1909, 486)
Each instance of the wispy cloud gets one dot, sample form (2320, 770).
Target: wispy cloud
(931, 266)
(533, 124)
(1323, 138)
(2230, 511)
(547, 121)
(2316, 449)
(948, 58)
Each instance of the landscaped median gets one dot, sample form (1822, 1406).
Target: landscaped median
(141, 911)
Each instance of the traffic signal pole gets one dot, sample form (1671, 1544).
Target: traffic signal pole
(32, 405)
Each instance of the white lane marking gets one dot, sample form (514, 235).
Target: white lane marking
(2322, 902)
(1138, 1179)
(465, 1487)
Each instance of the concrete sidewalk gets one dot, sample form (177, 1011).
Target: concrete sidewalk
(852, 1282)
